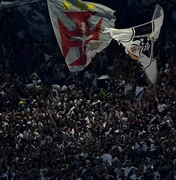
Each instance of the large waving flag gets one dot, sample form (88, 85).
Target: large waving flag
(78, 27)
(139, 42)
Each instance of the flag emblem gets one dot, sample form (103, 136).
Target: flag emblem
(80, 37)
(133, 49)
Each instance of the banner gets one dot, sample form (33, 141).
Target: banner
(139, 42)
(35, 17)
(78, 27)
(9, 4)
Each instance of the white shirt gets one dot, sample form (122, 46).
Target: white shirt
(26, 134)
(145, 147)
(56, 87)
(127, 171)
(117, 171)
(136, 145)
(133, 177)
(108, 158)
(161, 107)
(42, 175)
(64, 88)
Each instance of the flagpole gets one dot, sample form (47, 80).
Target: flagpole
(152, 46)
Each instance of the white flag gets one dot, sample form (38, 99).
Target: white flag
(139, 42)
(139, 93)
(78, 27)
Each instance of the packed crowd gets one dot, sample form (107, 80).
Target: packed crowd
(58, 125)
(78, 131)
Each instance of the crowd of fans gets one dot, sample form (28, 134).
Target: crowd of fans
(64, 126)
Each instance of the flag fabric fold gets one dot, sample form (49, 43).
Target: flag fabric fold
(139, 42)
(9, 4)
(78, 27)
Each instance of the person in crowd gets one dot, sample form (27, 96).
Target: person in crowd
(62, 126)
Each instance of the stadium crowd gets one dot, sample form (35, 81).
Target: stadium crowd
(64, 126)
